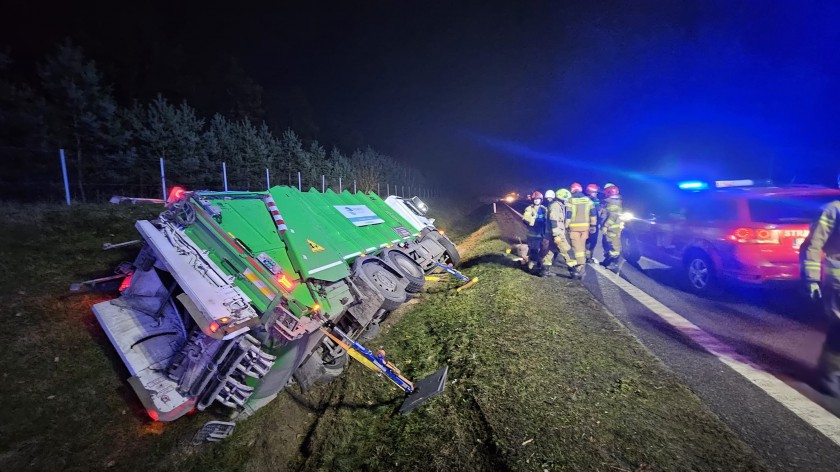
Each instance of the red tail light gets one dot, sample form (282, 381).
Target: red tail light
(152, 414)
(175, 194)
(126, 283)
(754, 236)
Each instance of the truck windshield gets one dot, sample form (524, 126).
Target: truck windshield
(788, 209)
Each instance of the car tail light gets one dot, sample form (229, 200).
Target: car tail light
(754, 236)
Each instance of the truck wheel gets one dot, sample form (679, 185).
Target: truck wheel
(385, 282)
(407, 267)
(450, 250)
(371, 331)
(334, 368)
(700, 272)
(630, 248)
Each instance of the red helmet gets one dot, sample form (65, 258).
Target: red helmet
(591, 188)
(611, 191)
(576, 188)
(536, 195)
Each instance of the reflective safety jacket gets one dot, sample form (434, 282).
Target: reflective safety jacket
(823, 238)
(557, 218)
(536, 219)
(580, 213)
(612, 215)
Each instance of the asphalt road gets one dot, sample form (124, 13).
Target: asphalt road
(776, 328)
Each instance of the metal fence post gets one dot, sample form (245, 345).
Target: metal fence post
(339, 185)
(267, 180)
(323, 183)
(163, 180)
(224, 175)
(388, 188)
(300, 187)
(354, 187)
(64, 173)
(403, 191)
(377, 188)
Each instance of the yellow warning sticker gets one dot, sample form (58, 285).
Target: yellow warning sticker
(315, 247)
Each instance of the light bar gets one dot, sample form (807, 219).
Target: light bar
(733, 183)
(693, 185)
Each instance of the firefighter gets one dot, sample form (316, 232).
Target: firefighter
(592, 241)
(557, 225)
(824, 238)
(611, 225)
(536, 219)
(581, 220)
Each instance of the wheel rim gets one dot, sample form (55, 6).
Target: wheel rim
(407, 265)
(384, 279)
(699, 273)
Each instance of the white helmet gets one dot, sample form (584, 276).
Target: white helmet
(549, 194)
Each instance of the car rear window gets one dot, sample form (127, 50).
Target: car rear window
(788, 209)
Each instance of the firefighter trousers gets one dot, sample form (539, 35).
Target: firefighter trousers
(562, 248)
(830, 359)
(612, 244)
(579, 245)
(591, 243)
(538, 247)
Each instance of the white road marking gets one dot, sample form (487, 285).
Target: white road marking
(511, 209)
(350, 256)
(821, 419)
(652, 264)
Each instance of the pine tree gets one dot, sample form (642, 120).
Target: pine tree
(82, 114)
(176, 134)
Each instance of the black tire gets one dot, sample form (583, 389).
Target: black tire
(385, 282)
(630, 250)
(371, 331)
(450, 251)
(407, 267)
(334, 367)
(700, 275)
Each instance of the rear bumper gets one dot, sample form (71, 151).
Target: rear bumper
(766, 272)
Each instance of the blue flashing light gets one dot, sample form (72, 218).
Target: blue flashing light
(693, 185)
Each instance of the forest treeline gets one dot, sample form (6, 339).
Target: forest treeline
(110, 147)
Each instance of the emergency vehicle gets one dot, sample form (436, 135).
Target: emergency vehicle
(733, 231)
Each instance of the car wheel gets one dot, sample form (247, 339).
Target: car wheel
(630, 249)
(700, 272)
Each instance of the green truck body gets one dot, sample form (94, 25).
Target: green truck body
(231, 291)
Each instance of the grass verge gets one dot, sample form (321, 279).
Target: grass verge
(541, 377)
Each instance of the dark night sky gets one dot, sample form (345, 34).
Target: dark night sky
(498, 95)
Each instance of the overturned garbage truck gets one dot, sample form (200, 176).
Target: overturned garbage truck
(233, 294)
